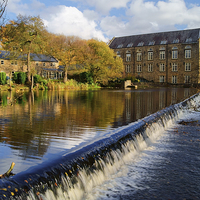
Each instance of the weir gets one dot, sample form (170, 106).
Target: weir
(77, 171)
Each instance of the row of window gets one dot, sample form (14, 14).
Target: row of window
(161, 67)
(174, 79)
(162, 54)
(37, 64)
(175, 41)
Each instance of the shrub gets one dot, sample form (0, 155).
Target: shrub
(37, 79)
(14, 77)
(86, 77)
(19, 77)
(2, 78)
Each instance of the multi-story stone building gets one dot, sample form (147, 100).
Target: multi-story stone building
(46, 66)
(165, 57)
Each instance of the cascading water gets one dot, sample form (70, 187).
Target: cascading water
(77, 172)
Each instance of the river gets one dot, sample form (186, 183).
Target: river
(40, 126)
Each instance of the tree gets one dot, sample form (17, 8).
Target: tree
(24, 36)
(70, 51)
(103, 63)
(3, 5)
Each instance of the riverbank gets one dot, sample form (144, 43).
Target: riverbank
(74, 85)
(51, 85)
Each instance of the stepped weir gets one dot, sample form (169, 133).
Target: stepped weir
(78, 170)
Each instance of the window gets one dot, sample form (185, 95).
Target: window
(176, 41)
(188, 53)
(187, 79)
(53, 64)
(140, 44)
(12, 62)
(150, 55)
(189, 40)
(187, 66)
(44, 64)
(174, 54)
(150, 67)
(128, 69)
(15, 62)
(161, 79)
(37, 64)
(139, 68)
(130, 44)
(139, 56)
(118, 54)
(2, 62)
(162, 55)
(174, 67)
(152, 43)
(128, 57)
(120, 46)
(162, 67)
(163, 42)
(174, 79)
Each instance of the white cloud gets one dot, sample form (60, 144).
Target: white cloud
(148, 16)
(71, 21)
(91, 15)
(104, 6)
(141, 16)
(16, 7)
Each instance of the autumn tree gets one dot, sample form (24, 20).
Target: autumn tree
(24, 36)
(71, 51)
(103, 64)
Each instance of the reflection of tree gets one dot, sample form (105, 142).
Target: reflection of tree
(42, 116)
(58, 114)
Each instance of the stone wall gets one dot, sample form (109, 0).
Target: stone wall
(169, 75)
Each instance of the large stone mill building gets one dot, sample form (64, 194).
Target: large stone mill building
(165, 57)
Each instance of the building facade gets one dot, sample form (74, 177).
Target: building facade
(165, 57)
(45, 66)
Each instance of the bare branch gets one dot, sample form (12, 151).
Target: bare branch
(3, 5)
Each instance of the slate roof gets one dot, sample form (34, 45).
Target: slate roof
(53, 69)
(183, 36)
(34, 57)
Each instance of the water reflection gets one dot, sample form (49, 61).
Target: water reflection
(36, 126)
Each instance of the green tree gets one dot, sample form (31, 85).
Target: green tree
(24, 36)
(103, 63)
(2, 78)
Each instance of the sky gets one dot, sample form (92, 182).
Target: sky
(105, 19)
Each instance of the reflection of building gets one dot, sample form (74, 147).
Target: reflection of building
(171, 57)
(139, 104)
(46, 66)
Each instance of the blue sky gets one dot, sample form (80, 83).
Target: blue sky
(104, 19)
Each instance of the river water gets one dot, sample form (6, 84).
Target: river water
(40, 126)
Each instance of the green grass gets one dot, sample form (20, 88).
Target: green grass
(52, 85)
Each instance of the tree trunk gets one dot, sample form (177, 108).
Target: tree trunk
(65, 76)
(32, 82)
(28, 66)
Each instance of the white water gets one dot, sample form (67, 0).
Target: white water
(114, 165)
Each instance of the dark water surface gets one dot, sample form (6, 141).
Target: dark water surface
(41, 125)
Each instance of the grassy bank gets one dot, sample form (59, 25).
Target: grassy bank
(51, 85)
